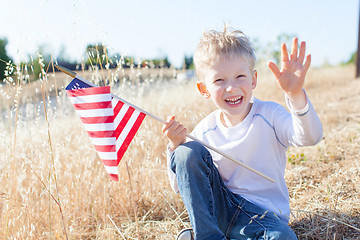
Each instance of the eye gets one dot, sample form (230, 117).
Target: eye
(240, 76)
(218, 80)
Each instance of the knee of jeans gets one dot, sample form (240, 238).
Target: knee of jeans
(188, 156)
(282, 232)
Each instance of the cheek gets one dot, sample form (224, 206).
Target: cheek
(216, 92)
(248, 86)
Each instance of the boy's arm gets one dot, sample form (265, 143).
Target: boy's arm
(306, 128)
(291, 76)
(299, 128)
(176, 133)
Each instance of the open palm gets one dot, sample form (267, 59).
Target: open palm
(292, 74)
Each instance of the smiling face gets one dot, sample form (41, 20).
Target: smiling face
(229, 82)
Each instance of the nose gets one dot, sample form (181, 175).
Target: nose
(232, 86)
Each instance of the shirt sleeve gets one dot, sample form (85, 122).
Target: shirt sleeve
(171, 174)
(299, 127)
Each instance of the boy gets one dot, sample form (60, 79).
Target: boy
(223, 199)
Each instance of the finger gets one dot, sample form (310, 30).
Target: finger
(170, 117)
(171, 129)
(176, 130)
(183, 131)
(275, 70)
(179, 129)
(165, 128)
(174, 125)
(168, 123)
(294, 49)
(284, 53)
(302, 52)
(307, 63)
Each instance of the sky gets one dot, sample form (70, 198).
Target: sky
(159, 28)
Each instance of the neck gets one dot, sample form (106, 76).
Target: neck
(233, 120)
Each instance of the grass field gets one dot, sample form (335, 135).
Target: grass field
(53, 186)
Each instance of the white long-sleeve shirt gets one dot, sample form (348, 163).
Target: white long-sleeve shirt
(259, 141)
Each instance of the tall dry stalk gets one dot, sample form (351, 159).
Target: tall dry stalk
(43, 78)
(322, 180)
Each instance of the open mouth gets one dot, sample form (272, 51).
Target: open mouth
(234, 101)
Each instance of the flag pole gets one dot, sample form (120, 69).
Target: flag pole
(74, 75)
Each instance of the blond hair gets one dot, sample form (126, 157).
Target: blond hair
(228, 43)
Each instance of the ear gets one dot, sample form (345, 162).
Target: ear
(203, 90)
(254, 80)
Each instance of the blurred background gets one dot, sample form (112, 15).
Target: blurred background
(53, 184)
(168, 31)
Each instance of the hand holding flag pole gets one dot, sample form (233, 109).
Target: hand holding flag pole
(111, 164)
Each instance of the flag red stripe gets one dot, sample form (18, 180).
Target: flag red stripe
(101, 134)
(94, 105)
(88, 91)
(110, 163)
(98, 108)
(105, 148)
(123, 122)
(114, 177)
(130, 136)
(117, 108)
(91, 120)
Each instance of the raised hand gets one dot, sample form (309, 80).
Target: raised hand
(291, 76)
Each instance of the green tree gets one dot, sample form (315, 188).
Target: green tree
(39, 66)
(40, 63)
(96, 54)
(161, 62)
(352, 59)
(156, 63)
(188, 62)
(4, 58)
(273, 49)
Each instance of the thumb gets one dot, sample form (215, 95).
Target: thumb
(274, 69)
(170, 117)
(167, 123)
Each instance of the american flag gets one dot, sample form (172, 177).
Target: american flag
(110, 123)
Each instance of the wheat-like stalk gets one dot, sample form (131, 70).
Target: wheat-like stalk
(47, 158)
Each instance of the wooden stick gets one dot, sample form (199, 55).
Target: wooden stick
(74, 75)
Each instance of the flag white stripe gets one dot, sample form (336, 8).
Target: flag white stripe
(91, 98)
(110, 154)
(107, 155)
(112, 170)
(127, 129)
(103, 141)
(121, 114)
(114, 101)
(99, 127)
(96, 112)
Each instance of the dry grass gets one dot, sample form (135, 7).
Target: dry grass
(54, 186)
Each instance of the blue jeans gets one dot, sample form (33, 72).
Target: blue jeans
(214, 211)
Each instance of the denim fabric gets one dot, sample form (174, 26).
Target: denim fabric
(214, 211)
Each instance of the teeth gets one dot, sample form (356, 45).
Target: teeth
(233, 100)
